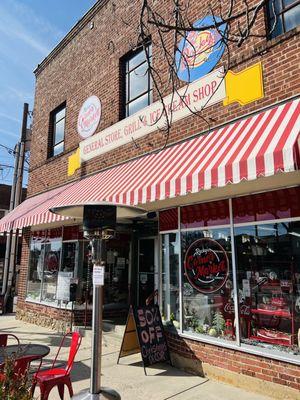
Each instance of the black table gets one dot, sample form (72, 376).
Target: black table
(38, 350)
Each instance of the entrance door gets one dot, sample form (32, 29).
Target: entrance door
(147, 268)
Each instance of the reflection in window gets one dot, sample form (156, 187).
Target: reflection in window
(208, 305)
(268, 259)
(51, 267)
(138, 90)
(170, 278)
(35, 271)
(282, 16)
(57, 131)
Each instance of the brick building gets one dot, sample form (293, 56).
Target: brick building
(219, 235)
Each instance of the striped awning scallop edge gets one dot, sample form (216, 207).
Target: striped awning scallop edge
(263, 144)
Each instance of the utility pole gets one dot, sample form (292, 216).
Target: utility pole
(15, 199)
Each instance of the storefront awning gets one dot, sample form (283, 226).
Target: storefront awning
(263, 144)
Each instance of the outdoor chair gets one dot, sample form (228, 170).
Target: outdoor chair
(58, 376)
(4, 339)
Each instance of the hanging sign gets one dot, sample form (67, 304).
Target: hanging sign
(144, 333)
(89, 117)
(199, 51)
(206, 265)
(98, 275)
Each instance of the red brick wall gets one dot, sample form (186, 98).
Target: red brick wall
(89, 64)
(236, 361)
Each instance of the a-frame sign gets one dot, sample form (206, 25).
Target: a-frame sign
(144, 334)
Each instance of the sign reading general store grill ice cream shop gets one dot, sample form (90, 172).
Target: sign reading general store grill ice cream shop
(206, 265)
(192, 98)
(89, 117)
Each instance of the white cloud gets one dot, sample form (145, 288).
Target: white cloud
(9, 133)
(9, 117)
(15, 23)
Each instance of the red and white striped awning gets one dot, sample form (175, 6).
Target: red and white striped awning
(263, 144)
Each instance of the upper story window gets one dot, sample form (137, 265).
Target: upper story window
(57, 131)
(138, 89)
(286, 16)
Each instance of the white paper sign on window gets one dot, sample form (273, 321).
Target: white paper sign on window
(98, 275)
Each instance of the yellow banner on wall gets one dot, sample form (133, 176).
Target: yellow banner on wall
(244, 87)
(74, 162)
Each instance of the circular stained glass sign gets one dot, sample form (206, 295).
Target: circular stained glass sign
(199, 51)
(206, 265)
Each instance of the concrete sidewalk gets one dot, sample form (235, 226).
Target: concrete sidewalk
(162, 382)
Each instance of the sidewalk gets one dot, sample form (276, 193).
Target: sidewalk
(162, 383)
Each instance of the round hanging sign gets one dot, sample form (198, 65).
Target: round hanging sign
(89, 117)
(199, 51)
(206, 265)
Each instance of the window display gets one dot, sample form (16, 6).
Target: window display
(208, 306)
(268, 258)
(35, 270)
(52, 252)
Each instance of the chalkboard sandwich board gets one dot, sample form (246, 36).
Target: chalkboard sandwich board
(144, 334)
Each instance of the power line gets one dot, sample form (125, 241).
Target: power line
(7, 148)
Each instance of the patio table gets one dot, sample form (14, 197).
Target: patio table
(38, 350)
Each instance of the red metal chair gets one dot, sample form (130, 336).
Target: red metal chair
(4, 339)
(58, 376)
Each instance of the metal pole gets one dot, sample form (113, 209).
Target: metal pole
(98, 256)
(11, 207)
(96, 391)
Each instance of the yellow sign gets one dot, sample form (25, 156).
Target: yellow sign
(74, 162)
(245, 86)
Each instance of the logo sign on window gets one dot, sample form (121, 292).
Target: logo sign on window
(89, 117)
(206, 265)
(199, 51)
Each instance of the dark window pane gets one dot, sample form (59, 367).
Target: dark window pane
(168, 220)
(288, 2)
(278, 29)
(59, 148)
(59, 131)
(205, 214)
(137, 104)
(276, 5)
(61, 114)
(292, 18)
(138, 81)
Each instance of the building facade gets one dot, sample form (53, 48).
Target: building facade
(219, 235)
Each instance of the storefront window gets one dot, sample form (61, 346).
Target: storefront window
(44, 265)
(268, 206)
(170, 278)
(208, 304)
(205, 214)
(268, 259)
(35, 270)
(52, 252)
(168, 220)
(69, 261)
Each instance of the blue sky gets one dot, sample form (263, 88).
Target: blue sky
(29, 29)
